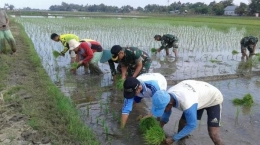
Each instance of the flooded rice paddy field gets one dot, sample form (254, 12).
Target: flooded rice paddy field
(203, 52)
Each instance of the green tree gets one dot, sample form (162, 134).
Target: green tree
(254, 6)
(218, 9)
(227, 3)
(11, 7)
(241, 9)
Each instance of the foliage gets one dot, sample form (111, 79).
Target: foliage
(74, 65)
(234, 52)
(218, 9)
(254, 6)
(147, 123)
(241, 9)
(154, 136)
(55, 53)
(120, 84)
(247, 100)
(153, 50)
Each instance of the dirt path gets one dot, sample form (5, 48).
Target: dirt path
(27, 114)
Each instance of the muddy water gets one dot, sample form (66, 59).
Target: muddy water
(99, 102)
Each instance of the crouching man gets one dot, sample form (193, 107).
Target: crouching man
(192, 97)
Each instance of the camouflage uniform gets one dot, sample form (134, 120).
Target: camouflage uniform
(134, 55)
(246, 44)
(169, 41)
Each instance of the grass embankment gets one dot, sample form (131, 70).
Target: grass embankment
(49, 110)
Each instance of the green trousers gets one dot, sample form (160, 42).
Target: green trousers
(7, 35)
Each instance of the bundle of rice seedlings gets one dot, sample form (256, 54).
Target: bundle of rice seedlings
(120, 84)
(234, 52)
(153, 50)
(247, 100)
(257, 54)
(154, 136)
(147, 123)
(74, 65)
(55, 53)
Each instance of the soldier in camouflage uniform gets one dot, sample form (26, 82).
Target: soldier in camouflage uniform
(248, 43)
(132, 60)
(168, 41)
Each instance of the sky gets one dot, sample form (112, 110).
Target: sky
(45, 4)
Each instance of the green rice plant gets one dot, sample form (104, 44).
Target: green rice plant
(147, 123)
(55, 53)
(153, 50)
(247, 100)
(120, 84)
(214, 61)
(74, 65)
(234, 52)
(257, 54)
(154, 136)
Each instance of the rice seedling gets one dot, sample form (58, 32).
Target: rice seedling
(55, 53)
(234, 52)
(103, 122)
(153, 50)
(147, 123)
(247, 100)
(257, 54)
(154, 136)
(214, 61)
(120, 84)
(74, 65)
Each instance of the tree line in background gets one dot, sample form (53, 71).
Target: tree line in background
(213, 8)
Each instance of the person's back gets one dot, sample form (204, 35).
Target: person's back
(169, 38)
(156, 77)
(202, 93)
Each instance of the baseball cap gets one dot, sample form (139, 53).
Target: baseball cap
(156, 36)
(73, 44)
(105, 56)
(130, 86)
(114, 51)
(160, 100)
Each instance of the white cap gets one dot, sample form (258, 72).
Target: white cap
(73, 44)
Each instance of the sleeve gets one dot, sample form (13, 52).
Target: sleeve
(128, 106)
(138, 54)
(191, 119)
(66, 46)
(88, 51)
(165, 117)
(153, 85)
(112, 67)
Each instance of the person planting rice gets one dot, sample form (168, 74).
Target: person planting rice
(135, 89)
(132, 60)
(248, 43)
(192, 97)
(168, 41)
(5, 33)
(107, 57)
(85, 55)
(65, 39)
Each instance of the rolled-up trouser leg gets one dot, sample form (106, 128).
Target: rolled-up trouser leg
(72, 56)
(2, 41)
(10, 39)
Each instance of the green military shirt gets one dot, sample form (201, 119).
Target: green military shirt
(133, 56)
(245, 41)
(168, 39)
(64, 39)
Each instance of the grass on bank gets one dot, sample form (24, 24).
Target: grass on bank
(76, 128)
